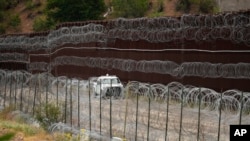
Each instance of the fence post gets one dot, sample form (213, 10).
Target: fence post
(5, 89)
(21, 95)
(15, 92)
(71, 107)
(34, 100)
(199, 115)
(110, 112)
(27, 109)
(182, 93)
(100, 108)
(149, 98)
(166, 131)
(65, 106)
(78, 102)
(218, 137)
(10, 103)
(126, 113)
(89, 108)
(136, 122)
(57, 83)
(47, 85)
(241, 107)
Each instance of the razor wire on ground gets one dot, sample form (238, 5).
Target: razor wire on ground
(144, 111)
(233, 27)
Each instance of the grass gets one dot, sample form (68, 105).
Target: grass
(10, 128)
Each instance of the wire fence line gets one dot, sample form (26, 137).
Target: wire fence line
(144, 111)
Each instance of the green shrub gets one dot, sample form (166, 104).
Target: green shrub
(2, 29)
(48, 114)
(14, 20)
(183, 5)
(130, 8)
(42, 24)
(205, 6)
(208, 6)
(7, 136)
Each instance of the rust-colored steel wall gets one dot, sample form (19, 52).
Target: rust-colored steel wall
(217, 51)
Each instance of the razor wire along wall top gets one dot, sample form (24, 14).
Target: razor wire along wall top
(202, 50)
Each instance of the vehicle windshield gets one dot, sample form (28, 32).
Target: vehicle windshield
(109, 81)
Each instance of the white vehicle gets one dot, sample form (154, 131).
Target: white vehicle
(107, 86)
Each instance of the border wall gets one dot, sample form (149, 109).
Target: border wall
(202, 50)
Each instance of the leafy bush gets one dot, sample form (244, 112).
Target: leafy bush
(14, 20)
(2, 29)
(42, 24)
(48, 114)
(74, 10)
(208, 6)
(204, 6)
(130, 8)
(183, 5)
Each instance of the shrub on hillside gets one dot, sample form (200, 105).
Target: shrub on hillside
(204, 6)
(47, 114)
(14, 20)
(42, 24)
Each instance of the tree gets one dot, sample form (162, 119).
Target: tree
(74, 10)
(130, 8)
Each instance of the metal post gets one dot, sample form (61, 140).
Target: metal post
(5, 89)
(34, 100)
(241, 107)
(182, 93)
(89, 109)
(199, 115)
(100, 108)
(136, 123)
(21, 95)
(10, 90)
(148, 112)
(71, 106)
(166, 131)
(66, 94)
(57, 90)
(219, 117)
(110, 112)
(78, 101)
(47, 85)
(126, 113)
(15, 92)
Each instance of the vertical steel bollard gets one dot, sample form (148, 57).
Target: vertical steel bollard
(166, 131)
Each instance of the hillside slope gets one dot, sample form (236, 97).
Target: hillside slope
(28, 12)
